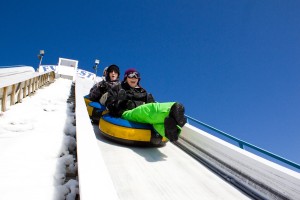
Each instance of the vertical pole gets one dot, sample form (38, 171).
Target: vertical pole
(40, 56)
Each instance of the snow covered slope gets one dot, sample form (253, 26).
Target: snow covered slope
(168, 173)
(36, 137)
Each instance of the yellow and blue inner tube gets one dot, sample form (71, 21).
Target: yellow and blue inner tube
(128, 132)
(95, 109)
(87, 102)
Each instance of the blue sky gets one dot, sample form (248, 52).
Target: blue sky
(235, 65)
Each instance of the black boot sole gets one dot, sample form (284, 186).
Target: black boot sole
(177, 112)
(171, 131)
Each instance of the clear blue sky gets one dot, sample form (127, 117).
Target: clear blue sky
(234, 64)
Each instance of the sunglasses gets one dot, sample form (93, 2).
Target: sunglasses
(133, 75)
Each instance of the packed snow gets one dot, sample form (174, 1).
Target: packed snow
(37, 146)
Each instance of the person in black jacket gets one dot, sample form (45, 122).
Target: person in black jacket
(111, 79)
(132, 102)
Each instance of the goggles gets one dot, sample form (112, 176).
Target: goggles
(134, 75)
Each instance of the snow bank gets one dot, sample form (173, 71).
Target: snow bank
(36, 141)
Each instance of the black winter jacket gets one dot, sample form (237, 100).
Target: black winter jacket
(122, 97)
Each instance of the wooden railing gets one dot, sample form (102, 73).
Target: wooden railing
(13, 91)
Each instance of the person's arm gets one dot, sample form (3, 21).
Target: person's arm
(150, 98)
(116, 101)
(94, 93)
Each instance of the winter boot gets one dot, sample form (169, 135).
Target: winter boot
(171, 131)
(177, 112)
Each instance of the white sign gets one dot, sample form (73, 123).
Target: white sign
(85, 74)
(48, 68)
(80, 72)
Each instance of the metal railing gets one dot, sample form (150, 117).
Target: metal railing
(242, 144)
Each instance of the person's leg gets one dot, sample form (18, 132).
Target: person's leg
(171, 130)
(167, 128)
(177, 112)
(172, 123)
(160, 128)
(151, 113)
(159, 115)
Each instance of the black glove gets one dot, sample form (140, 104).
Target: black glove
(117, 109)
(130, 105)
(122, 94)
(122, 104)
